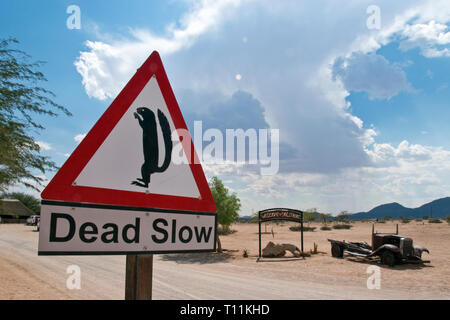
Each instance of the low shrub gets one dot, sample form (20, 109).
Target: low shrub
(221, 231)
(434, 220)
(325, 228)
(405, 220)
(342, 226)
(305, 229)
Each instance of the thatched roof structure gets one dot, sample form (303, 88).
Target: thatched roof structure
(13, 207)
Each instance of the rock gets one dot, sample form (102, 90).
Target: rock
(273, 250)
(293, 249)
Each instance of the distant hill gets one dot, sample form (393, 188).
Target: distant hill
(439, 208)
(244, 218)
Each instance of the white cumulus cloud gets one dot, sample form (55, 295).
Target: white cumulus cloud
(105, 66)
(432, 38)
(79, 137)
(371, 73)
(44, 145)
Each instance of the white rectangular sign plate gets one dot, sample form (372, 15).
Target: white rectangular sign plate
(82, 229)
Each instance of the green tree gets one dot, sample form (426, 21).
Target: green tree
(21, 98)
(343, 216)
(310, 215)
(254, 217)
(324, 217)
(228, 206)
(28, 200)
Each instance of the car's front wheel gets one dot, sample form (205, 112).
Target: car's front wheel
(388, 258)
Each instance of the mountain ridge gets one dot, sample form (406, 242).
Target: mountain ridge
(438, 208)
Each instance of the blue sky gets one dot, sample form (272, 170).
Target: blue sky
(363, 112)
(420, 116)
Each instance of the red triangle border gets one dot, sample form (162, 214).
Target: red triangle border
(61, 187)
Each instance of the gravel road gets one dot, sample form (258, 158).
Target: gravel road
(25, 275)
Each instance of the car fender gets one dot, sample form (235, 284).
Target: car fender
(418, 250)
(390, 247)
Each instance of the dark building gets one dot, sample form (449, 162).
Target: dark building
(12, 210)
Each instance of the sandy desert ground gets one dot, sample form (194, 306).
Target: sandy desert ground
(25, 275)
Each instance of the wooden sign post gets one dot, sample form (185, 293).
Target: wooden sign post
(138, 277)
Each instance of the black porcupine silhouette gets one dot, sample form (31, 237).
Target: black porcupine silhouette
(147, 121)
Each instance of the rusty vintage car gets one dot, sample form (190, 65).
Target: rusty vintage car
(392, 248)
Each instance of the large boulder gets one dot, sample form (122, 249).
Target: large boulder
(273, 250)
(293, 249)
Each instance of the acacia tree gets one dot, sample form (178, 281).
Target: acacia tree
(21, 98)
(343, 216)
(310, 215)
(324, 217)
(228, 206)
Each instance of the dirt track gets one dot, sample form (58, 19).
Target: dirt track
(25, 275)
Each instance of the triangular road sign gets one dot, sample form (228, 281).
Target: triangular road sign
(125, 159)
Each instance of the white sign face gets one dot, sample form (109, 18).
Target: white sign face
(129, 187)
(120, 159)
(87, 230)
